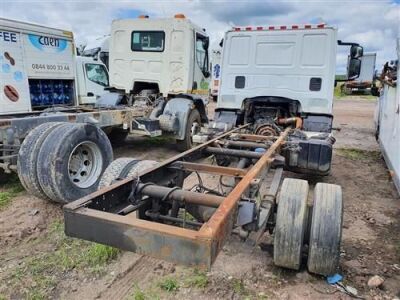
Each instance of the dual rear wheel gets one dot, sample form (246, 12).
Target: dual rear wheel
(322, 234)
(63, 161)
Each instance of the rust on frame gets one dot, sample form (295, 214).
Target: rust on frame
(217, 228)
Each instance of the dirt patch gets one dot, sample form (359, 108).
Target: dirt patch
(371, 240)
(25, 219)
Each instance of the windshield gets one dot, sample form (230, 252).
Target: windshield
(97, 73)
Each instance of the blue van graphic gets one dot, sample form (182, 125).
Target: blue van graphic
(47, 43)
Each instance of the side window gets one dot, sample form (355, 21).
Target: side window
(97, 73)
(104, 58)
(202, 53)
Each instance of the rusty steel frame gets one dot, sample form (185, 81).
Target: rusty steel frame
(204, 168)
(179, 245)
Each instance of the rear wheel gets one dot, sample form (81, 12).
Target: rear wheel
(27, 158)
(192, 127)
(71, 161)
(124, 167)
(326, 229)
(291, 223)
(127, 167)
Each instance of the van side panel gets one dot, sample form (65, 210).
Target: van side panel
(37, 67)
(14, 87)
(294, 64)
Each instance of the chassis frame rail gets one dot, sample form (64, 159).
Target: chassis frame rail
(95, 216)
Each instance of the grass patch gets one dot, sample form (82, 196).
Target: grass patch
(151, 293)
(358, 154)
(99, 254)
(198, 280)
(10, 190)
(239, 287)
(169, 284)
(337, 93)
(138, 295)
(37, 275)
(157, 140)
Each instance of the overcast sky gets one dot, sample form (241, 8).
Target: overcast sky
(373, 24)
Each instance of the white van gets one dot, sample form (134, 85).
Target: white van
(387, 116)
(39, 69)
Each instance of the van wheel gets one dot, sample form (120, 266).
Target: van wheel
(124, 167)
(27, 158)
(326, 229)
(291, 223)
(193, 125)
(71, 161)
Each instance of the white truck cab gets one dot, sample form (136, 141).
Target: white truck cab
(40, 69)
(296, 64)
(92, 79)
(278, 76)
(160, 67)
(168, 55)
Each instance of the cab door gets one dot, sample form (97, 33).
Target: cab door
(201, 72)
(95, 80)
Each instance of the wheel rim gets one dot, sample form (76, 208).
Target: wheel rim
(85, 164)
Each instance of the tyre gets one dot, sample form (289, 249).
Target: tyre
(127, 167)
(71, 161)
(326, 229)
(291, 223)
(193, 124)
(124, 167)
(27, 158)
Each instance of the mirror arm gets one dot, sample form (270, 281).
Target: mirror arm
(340, 43)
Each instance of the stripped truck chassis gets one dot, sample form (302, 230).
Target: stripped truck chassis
(129, 214)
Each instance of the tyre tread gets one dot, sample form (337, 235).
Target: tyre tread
(291, 222)
(326, 229)
(27, 158)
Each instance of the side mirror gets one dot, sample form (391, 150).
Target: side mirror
(221, 43)
(354, 68)
(356, 51)
(375, 91)
(206, 43)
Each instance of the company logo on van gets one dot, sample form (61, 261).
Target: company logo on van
(47, 43)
